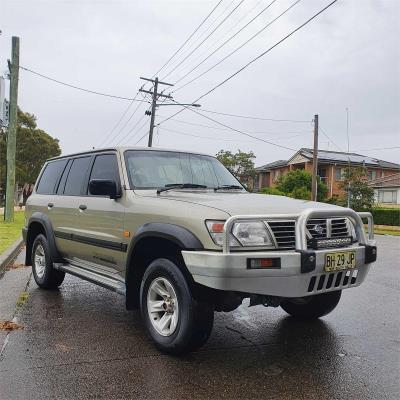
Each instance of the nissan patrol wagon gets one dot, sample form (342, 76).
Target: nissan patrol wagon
(179, 236)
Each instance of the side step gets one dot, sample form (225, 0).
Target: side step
(93, 277)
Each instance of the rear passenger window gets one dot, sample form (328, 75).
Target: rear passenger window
(105, 166)
(50, 177)
(61, 185)
(76, 176)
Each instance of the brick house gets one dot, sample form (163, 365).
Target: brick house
(331, 168)
(387, 189)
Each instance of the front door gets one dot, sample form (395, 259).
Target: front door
(98, 235)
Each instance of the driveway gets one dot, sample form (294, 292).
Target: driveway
(80, 342)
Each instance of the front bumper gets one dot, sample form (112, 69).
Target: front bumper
(230, 272)
(299, 274)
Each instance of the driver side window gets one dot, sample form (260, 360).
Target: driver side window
(105, 166)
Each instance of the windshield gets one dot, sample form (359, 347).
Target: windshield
(156, 169)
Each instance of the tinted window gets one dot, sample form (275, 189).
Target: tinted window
(50, 177)
(76, 176)
(105, 167)
(63, 179)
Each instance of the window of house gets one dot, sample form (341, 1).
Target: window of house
(76, 176)
(340, 174)
(371, 174)
(387, 196)
(50, 177)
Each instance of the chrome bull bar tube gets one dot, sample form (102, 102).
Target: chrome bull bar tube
(301, 224)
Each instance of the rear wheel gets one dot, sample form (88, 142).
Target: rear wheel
(44, 273)
(312, 307)
(175, 321)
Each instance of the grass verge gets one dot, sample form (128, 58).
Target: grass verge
(10, 231)
(386, 232)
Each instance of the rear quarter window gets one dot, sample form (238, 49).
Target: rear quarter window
(50, 176)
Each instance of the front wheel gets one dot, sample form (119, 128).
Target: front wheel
(174, 319)
(312, 307)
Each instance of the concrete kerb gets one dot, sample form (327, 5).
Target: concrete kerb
(10, 253)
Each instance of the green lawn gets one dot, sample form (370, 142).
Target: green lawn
(10, 232)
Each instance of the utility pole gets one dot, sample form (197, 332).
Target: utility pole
(12, 131)
(155, 96)
(315, 161)
(348, 157)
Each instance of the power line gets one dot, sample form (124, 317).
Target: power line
(326, 135)
(221, 139)
(127, 121)
(226, 129)
(268, 50)
(80, 88)
(205, 39)
(238, 48)
(255, 118)
(187, 40)
(145, 134)
(131, 130)
(239, 131)
(258, 57)
(226, 41)
(224, 36)
(108, 136)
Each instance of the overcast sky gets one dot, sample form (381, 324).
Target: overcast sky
(346, 57)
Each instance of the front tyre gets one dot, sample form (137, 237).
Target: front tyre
(46, 277)
(312, 307)
(175, 321)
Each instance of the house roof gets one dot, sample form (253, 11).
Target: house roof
(275, 164)
(332, 157)
(386, 181)
(342, 157)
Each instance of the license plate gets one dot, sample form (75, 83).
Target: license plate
(340, 260)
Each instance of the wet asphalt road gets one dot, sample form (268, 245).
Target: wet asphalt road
(80, 342)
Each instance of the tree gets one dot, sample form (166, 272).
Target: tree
(355, 182)
(297, 184)
(34, 147)
(241, 164)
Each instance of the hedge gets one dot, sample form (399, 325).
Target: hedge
(386, 216)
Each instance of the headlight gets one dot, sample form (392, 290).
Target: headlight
(247, 234)
(252, 234)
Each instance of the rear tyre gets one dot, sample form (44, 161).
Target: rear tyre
(174, 319)
(312, 307)
(46, 277)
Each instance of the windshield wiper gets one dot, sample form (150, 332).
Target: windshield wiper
(170, 186)
(227, 187)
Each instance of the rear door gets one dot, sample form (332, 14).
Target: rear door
(99, 230)
(46, 200)
(64, 213)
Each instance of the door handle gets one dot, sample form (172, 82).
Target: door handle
(83, 207)
(50, 205)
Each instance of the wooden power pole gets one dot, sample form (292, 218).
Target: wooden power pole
(315, 161)
(155, 96)
(12, 131)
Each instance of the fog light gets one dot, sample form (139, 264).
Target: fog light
(263, 263)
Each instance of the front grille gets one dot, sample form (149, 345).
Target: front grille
(339, 228)
(317, 228)
(284, 233)
(334, 280)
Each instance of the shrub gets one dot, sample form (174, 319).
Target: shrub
(271, 190)
(386, 216)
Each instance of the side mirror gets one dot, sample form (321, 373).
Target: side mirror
(104, 187)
